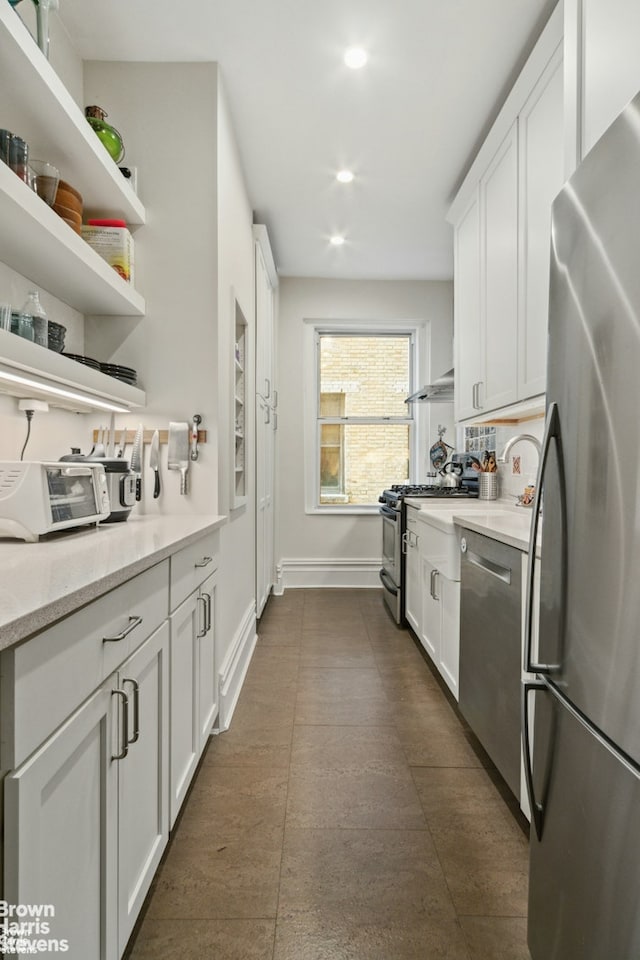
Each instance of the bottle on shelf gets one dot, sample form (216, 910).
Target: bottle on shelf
(34, 309)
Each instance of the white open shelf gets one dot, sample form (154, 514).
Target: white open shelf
(38, 107)
(37, 243)
(50, 369)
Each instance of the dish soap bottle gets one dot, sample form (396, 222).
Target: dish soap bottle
(108, 135)
(34, 309)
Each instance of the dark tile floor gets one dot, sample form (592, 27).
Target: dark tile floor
(348, 814)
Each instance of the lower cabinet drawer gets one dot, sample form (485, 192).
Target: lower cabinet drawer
(46, 678)
(192, 565)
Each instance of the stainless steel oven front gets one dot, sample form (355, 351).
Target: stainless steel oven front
(390, 573)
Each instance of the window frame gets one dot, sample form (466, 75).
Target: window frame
(416, 331)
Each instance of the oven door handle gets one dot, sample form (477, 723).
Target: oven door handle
(389, 512)
(388, 583)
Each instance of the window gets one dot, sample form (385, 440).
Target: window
(362, 424)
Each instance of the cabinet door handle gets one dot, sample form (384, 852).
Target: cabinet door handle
(404, 542)
(207, 607)
(432, 584)
(133, 623)
(474, 401)
(202, 632)
(124, 749)
(267, 388)
(136, 709)
(204, 562)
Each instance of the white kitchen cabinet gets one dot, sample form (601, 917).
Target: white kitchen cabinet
(601, 43)
(440, 634)
(143, 777)
(413, 581)
(194, 684)
(61, 829)
(541, 175)
(86, 816)
(499, 275)
(431, 632)
(266, 416)
(185, 721)
(207, 678)
(501, 280)
(469, 368)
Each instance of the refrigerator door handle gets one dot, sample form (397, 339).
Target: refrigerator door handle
(537, 809)
(552, 432)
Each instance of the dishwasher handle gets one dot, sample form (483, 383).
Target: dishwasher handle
(489, 566)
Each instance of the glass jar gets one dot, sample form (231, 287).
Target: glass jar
(33, 309)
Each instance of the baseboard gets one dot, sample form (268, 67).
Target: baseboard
(232, 672)
(326, 573)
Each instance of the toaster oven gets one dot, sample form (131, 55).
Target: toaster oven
(38, 497)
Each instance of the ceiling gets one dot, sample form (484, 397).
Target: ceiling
(407, 124)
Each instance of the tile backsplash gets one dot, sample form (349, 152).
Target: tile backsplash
(522, 467)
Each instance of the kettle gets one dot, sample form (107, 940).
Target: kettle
(451, 473)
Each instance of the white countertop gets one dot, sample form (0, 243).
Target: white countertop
(41, 582)
(498, 519)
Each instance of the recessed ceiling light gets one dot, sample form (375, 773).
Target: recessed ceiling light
(344, 176)
(355, 57)
(336, 240)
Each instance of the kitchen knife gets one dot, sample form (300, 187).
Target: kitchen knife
(154, 463)
(179, 451)
(136, 460)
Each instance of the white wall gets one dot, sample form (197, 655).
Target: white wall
(166, 113)
(236, 589)
(330, 538)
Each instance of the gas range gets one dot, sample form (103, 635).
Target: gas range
(394, 496)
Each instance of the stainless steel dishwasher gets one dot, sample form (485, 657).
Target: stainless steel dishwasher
(490, 643)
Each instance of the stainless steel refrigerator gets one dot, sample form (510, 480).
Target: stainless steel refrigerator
(584, 706)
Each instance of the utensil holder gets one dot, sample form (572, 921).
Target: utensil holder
(488, 487)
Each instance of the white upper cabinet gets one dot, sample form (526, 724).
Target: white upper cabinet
(499, 275)
(541, 175)
(501, 280)
(603, 67)
(467, 310)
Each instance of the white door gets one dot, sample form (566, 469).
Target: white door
(541, 150)
(61, 829)
(207, 679)
(469, 373)
(431, 611)
(449, 591)
(499, 206)
(186, 623)
(264, 433)
(143, 787)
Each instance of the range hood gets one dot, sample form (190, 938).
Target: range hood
(441, 391)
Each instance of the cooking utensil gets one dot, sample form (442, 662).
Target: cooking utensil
(136, 460)
(154, 463)
(179, 451)
(123, 442)
(99, 448)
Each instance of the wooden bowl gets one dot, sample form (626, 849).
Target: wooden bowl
(68, 214)
(68, 197)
